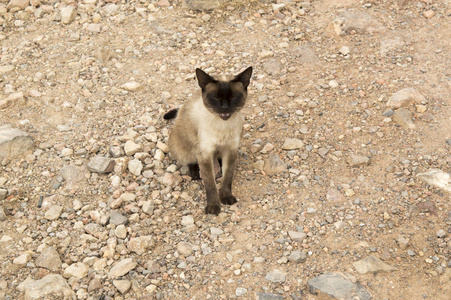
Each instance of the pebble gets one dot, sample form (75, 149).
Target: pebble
(276, 276)
(344, 50)
(22, 259)
(358, 160)
(187, 220)
(405, 97)
(441, 233)
(78, 270)
(135, 167)
(297, 256)
(2, 212)
(274, 164)
(47, 287)
(338, 286)
(141, 245)
(116, 218)
(121, 268)
(4, 70)
(437, 178)
(297, 236)
(49, 259)
(122, 285)
(14, 142)
(402, 242)
(68, 14)
(130, 86)
(372, 264)
(100, 164)
(185, 248)
(268, 296)
(240, 291)
(292, 144)
(131, 148)
(54, 212)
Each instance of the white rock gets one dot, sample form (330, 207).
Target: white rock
(68, 14)
(132, 86)
(437, 178)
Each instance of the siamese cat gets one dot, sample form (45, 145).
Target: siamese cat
(208, 127)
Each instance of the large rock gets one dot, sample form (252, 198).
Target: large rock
(372, 264)
(405, 97)
(14, 142)
(49, 259)
(339, 286)
(358, 21)
(437, 178)
(52, 285)
(203, 5)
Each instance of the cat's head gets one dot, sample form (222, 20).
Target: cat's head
(224, 97)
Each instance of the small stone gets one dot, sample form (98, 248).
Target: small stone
(402, 242)
(120, 231)
(49, 259)
(273, 67)
(410, 252)
(22, 259)
(135, 167)
(274, 164)
(344, 50)
(403, 118)
(267, 148)
(78, 270)
(73, 175)
(140, 245)
(267, 296)
(2, 213)
(372, 264)
(131, 148)
(421, 108)
(163, 147)
(276, 276)
(297, 236)
(122, 268)
(428, 14)
(405, 97)
(388, 113)
(6, 69)
(292, 144)
(132, 86)
(122, 285)
(68, 14)
(187, 220)
(441, 233)
(18, 4)
(206, 18)
(50, 285)
(297, 256)
(14, 142)
(437, 178)
(3, 194)
(53, 212)
(116, 218)
(358, 160)
(101, 164)
(67, 152)
(333, 84)
(203, 5)
(338, 286)
(185, 248)
(240, 291)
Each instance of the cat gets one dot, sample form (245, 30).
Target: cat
(208, 127)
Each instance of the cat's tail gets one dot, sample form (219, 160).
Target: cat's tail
(171, 114)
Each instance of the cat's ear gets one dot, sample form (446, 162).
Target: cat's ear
(203, 78)
(244, 77)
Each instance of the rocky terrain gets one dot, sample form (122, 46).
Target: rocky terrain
(343, 178)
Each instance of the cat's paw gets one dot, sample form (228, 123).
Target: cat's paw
(213, 209)
(229, 200)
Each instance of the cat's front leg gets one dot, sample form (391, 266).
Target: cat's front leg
(228, 167)
(208, 178)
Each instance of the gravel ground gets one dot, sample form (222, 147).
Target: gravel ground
(349, 102)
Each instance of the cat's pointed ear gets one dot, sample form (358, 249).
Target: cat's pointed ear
(244, 77)
(203, 78)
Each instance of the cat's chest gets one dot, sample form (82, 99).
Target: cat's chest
(220, 134)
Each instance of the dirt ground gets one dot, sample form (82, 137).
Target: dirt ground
(310, 82)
